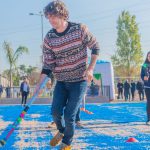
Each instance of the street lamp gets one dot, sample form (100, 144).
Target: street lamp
(41, 15)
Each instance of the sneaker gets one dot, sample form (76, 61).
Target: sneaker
(56, 139)
(148, 123)
(63, 146)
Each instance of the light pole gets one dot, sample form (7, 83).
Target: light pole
(41, 15)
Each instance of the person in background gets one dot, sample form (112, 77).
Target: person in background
(92, 87)
(133, 88)
(126, 90)
(24, 90)
(120, 89)
(145, 75)
(8, 91)
(1, 90)
(140, 89)
(78, 120)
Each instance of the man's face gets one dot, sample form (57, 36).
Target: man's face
(55, 21)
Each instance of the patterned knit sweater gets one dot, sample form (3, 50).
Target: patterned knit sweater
(65, 54)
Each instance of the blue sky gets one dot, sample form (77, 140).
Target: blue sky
(19, 28)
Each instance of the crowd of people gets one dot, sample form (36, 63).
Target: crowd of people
(127, 90)
(7, 91)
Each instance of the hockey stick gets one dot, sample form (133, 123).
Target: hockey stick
(86, 111)
(22, 114)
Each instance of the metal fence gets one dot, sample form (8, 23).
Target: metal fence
(106, 91)
(96, 90)
(14, 92)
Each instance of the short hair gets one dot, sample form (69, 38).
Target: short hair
(24, 78)
(56, 8)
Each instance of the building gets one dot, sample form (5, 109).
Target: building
(106, 73)
(4, 81)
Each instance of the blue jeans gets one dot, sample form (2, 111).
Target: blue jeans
(66, 101)
(78, 115)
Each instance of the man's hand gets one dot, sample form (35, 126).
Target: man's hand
(88, 75)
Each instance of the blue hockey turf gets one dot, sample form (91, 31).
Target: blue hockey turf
(108, 128)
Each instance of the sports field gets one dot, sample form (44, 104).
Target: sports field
(108, 128)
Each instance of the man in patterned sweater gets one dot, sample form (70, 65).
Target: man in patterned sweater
(65, 55)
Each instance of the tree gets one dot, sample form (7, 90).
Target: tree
(30, 69)
(128, 57)
(12, 57)
(31, 72)
(26, 71)
(15, 76)
(22, 70)
(34, 77)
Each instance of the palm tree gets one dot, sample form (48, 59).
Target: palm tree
(22, 70)
(30, 69)
(26, 70)
(12, 56)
